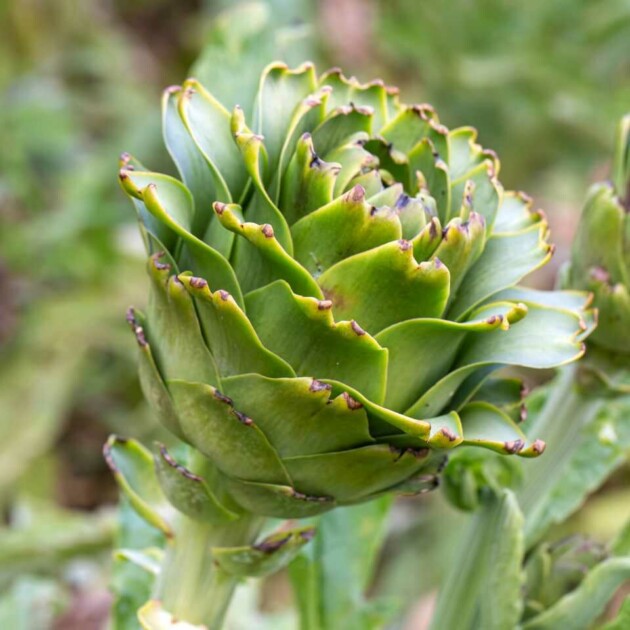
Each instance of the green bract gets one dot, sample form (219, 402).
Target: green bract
(331, 286)
(601, 250)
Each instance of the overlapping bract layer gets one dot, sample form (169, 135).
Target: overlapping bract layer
(331, 289)
(601, 250)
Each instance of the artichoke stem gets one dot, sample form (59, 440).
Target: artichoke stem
(192, 587)
(560, 424)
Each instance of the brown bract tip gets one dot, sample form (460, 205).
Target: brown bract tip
(404, 245)
(273, 543)
(198, 283)
(356, 328)
(243, 419)
(351, 402)
(222, 397)
(324, 305)
(224, 295)
(539, 447)
(219, 207)
(178, 467)
(306, 497)
(318, 386)
(514, 446)
(448, 434)
(267, 230)
(357, 193)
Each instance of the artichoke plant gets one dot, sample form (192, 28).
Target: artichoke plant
(332, 284)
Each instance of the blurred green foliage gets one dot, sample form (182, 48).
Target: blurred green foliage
(544, 82)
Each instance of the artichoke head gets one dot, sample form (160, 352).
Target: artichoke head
(332, 284)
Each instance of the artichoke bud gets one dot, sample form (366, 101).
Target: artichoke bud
(332, 283)
(554, 570)
(601, 253)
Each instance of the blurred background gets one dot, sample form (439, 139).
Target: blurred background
(80, 82)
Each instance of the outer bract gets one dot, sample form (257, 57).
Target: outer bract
(331, 287)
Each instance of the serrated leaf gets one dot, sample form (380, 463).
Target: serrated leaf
(298, 416)
(344, 227)
(233, 342)
(187, 491)
(302, 331)
(210, 421)
(545, 338)
(526, 251)
(174, 333)
(259, 258)
(386, 285)
(132, 465)
(280, 89)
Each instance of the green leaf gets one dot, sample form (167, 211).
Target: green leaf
(346, 91)
(486, 425)
(587, 438)
(515, 213)
(332, 575)
(340, 125)
(354, 161)
(261, 208)
(486, 191)
(545, 338)
(483, 587)
(346, 226)
(277, 500)
(430, 345)
(266, 557)
(151, 381)
(208, 123)
(173, 330)
(580, 608)
(194, 169)
(188, 492)
(280, 89)
(169, 202)
(298, 415)
(461, 245)
(526, 250)
(309, 182)
(210, 422)
(353, 474)
(133, 577)
(408, 127)
(599, 242)
(132, 465)
(386, 285)
(302, 331)
(576, 301)
(232, 340)
(259, 257)
(465, 154)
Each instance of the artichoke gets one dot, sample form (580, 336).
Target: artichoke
(601, 250)
(331, 287)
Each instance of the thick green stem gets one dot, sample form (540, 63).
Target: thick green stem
(560, 423)
(192, 587)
